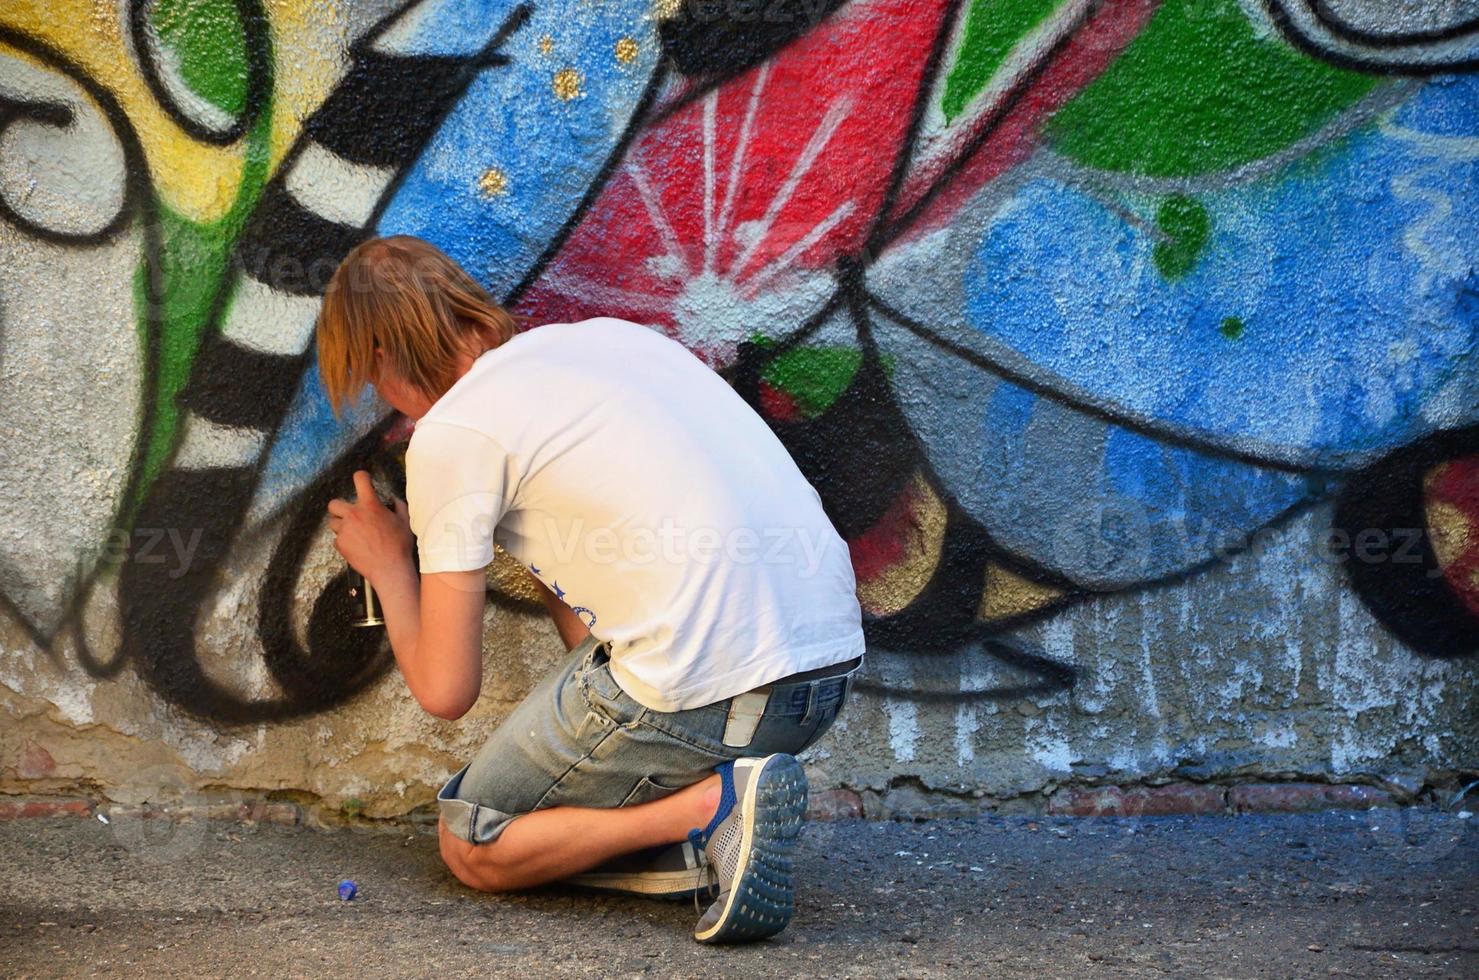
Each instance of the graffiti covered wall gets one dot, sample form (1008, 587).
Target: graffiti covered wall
(1130, 344)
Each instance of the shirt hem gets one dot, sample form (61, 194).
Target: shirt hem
(430, 564)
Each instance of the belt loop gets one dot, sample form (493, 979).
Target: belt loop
(811, 702)
(745, 712)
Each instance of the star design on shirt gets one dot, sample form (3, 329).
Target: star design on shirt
(534, 570)
(559, 592)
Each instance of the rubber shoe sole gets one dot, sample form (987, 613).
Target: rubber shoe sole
(761, 898)
(651, 884)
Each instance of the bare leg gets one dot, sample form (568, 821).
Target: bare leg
(548, 845)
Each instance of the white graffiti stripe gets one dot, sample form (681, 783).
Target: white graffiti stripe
(837, 112)
(208, 446)
(1371, 34)
(265, 320)
(333, 188)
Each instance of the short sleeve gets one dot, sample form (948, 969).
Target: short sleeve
(457, 490)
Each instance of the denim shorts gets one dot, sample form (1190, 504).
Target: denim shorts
(578, 739)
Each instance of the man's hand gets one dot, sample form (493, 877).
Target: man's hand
(442, 662)
(374, 539)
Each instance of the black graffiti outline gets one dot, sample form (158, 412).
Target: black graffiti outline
(723, 45)
(318, 674)
(1279, 16)
(887, 227)
(60, 116)
(176, 673)
(257, 42)
(1104, 413)
(927, 615)
(1350, 32)
(161, 641)
(708, 82)
(1053, 676)
(1412, 599)
(138, 193)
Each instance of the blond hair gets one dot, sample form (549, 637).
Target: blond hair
(405, 298)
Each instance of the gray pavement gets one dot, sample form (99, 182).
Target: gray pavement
(1382, 893)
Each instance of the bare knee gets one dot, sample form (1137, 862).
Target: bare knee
(480, 866)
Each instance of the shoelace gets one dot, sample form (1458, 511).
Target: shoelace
(699, 837)
(698, 885)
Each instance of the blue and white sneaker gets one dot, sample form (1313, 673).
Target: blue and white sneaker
(750, 845)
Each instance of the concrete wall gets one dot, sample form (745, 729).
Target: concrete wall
(1131, 346)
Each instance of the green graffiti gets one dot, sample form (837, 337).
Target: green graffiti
(1232, 328)
(814, 377)
(992, 30)
(193, 264)
(208, 42)
(1185, 226)
(1199, 91)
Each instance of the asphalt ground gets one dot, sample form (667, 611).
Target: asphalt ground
(1379, 893)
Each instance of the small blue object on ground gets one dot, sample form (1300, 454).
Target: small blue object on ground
(347, 890)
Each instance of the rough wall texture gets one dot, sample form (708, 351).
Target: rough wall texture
(1131, 345)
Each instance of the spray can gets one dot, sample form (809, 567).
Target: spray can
(364, 603)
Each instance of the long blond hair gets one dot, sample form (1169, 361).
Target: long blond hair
(404, 297)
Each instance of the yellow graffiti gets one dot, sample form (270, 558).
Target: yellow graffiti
(1449, 528)
(566, 84)
(1007, 594)
(508, 575)
(493, 183)
(898, 585)
(196, 179)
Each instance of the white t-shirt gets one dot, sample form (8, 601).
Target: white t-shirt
(644, 491)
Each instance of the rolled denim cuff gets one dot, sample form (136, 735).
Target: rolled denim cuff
(472, 822)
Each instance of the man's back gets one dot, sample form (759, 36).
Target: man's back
(644, 491)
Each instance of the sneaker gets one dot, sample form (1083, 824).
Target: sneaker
(669, 871)
(749, 844)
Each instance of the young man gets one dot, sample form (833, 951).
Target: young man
(707, 601)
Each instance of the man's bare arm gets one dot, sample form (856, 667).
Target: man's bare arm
(435, 626)
(435, 622)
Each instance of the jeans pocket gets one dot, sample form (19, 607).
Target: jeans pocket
(822, 721)
(792, 732)
(647, 790)
(605, 697)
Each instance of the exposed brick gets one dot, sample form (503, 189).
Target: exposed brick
(835, 804)
(260, 811)
(44, 807)
(1302, 797)
(1404, 786)
(1138, 801)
